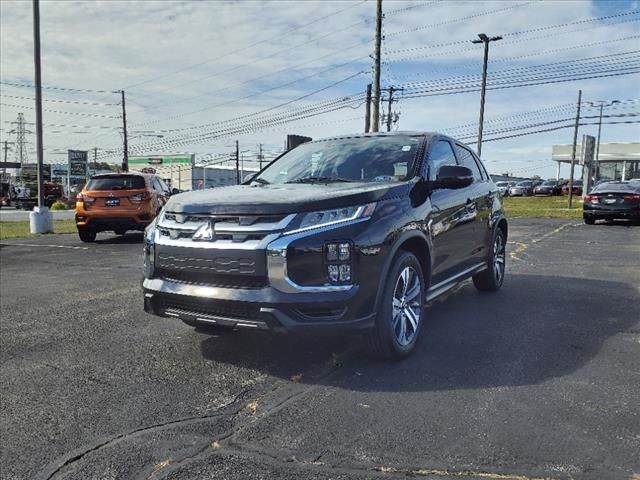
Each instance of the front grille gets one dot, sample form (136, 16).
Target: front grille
(212, 280)
(215, 265)
(233, 228)
(233, 311)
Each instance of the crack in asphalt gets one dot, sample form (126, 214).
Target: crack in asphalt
(77, 455)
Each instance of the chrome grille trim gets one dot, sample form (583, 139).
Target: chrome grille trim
(238, 232)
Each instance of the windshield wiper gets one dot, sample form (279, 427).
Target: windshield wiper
(320, 180)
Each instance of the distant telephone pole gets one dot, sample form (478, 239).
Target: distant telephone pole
(573, 150)
(237, 162)
(375, 120)
(95, 159)
(486, 40)
(367, 110)
(260, 156)
(125, 153)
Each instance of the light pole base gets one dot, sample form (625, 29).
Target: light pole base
(41, 220)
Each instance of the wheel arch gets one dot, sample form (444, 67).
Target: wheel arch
(416, 243)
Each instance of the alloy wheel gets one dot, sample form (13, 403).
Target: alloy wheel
(407, 307)
(498, 258)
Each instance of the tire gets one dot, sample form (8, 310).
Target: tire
(87, 235)
(400, 318)
(491, 279)
(589, 220)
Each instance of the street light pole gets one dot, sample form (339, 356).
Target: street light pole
(486, 40)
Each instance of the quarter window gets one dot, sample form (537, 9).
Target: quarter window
(465, 156)
(441, 154)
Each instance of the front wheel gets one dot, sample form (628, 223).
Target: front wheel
(589, 220)
(399, 320)
(86, 235)
(490, 280)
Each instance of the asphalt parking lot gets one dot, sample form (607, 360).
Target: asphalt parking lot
(541, 380)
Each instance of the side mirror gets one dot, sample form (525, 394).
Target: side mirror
(453, 176)
(248, 177)
(174, 191)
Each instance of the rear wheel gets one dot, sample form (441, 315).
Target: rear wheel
(589, 220)
(399, 321)
(87, 235)
(490, 280)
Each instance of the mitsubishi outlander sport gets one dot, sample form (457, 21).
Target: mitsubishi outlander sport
(351, 233)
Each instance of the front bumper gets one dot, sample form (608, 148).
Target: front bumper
(263, 308)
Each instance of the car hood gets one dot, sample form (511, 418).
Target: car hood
(281, 199)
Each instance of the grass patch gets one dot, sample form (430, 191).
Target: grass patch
(550, 207)
(20, 229)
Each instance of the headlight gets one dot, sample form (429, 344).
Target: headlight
(334, 216)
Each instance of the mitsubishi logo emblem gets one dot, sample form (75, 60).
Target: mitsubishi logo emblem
(204, 233)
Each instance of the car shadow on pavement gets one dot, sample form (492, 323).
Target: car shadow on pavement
(536, 328)
(127, 238)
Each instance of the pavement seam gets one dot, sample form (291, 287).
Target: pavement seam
(57, 465)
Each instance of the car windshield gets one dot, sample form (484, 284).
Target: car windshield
(116, 182)
(549, 183)
(524, 184)
(362, 159)
(502, 184)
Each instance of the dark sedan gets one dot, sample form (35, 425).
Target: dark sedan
(612, 200)
(550, 187)
(577, 188)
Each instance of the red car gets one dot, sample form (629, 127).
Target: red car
(577, 188)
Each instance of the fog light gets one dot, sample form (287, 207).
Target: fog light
(344, 251)
(345, 273)
(332, 252)
(332, 272)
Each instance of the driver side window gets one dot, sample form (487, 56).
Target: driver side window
(440, 154)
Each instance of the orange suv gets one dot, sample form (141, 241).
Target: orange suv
(119, 202)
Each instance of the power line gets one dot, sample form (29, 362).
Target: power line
(63, 112)
(52, 87)
(56, 100)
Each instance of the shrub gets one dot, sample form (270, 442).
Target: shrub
(59, 205)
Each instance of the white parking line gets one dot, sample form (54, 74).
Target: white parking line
(39, 245)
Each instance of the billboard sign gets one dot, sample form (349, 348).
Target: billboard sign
(78, 163)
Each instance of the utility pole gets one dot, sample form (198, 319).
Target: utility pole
(367, 110)
(21, 140)
(260, 156)
(375, 120)
(95, 159)
(601, 104)
(4, 168)
(237, 162)
(125, 153)
(486, 40)
(389, 116)
(573, 150)
(38, 83)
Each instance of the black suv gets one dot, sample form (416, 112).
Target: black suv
(355, 232)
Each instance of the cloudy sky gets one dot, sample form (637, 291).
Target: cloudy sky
(199, 75)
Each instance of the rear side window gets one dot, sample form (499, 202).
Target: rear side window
(467, 160)
(441, 154)
(119, 182)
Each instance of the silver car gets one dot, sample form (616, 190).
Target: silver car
(503, 188)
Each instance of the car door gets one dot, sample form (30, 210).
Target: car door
(479, 200)
(452, 217)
